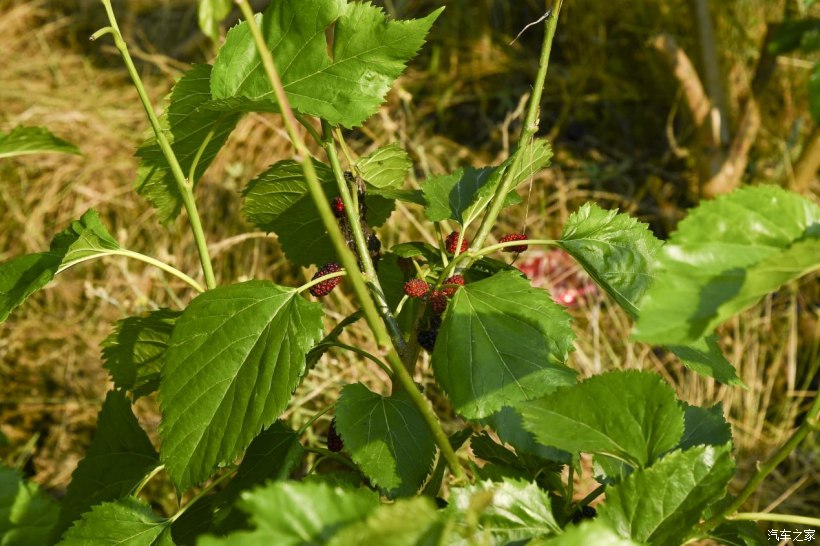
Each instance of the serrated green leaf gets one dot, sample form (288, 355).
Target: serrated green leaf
(236, 354)
(298, 514)
(704, 426)
(385, 167)
(189, 122)
(24, 275)
(33, 140)
(724, 256)
(210, 14)
(615, 249)
(739, 533)
(27, 515)
(632, 416)
(587, 533)
(705, 357)
(417, 250)
(407, 522)
(134, 350)
(501, 342)
(814, 93)
(279, 201)
(513, 510)
(661, 504)
(126, 522)
(509, 426)
(415, 197)
(387, 437)
(343, 84)
(119, 457)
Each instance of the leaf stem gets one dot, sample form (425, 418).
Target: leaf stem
(207, 489)
(319, 280)
(184, 185)
(346, 256)
(148, 477)
(335, 456)
(500, 246)
(784, 518)
(385, 368)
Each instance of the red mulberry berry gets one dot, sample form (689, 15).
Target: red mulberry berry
(334, 441)
(513, 237)
(416, 288)
(323, 288)
(338, 207)
(427, 339)
(451, 290)
(452, 241)
(438, 301)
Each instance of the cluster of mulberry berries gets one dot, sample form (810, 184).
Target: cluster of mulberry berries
(325, 287)
(514, 237)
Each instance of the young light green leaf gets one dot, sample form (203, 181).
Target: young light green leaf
(513, 510)
(119, 457)
(24, 275)
(134, 350)
(386, 437)
(704, 426)
(385, 167)
(236, 354)
(125, 522)
(298, 514)
(367, 49)
(406, 522)
(587, 534)
(196, 132)
(501, 342)
(661, 504)
(210, 14)
(279, 200)
(33, 140)
(724, 256)
(615, 249)
(629, 415)
(27, 515)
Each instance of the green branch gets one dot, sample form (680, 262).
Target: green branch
(782, 518)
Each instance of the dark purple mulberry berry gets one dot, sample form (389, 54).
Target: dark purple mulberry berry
(585, 512)
(324, 288)
(452, 241)
(438, 301)
(450, 291)
(338, 207)
(334, 441)
(416, 288)
(513, 237)
(427, 339)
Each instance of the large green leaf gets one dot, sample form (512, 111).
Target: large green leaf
(24, 275)
(739, 533)
(236, 354)
(724, 256)
(385, 167)
(133, 352)
(26, 514)
(661, 504)
(629, 415)
(126, 522)
(33, 140)
(501, 342)
(509, 426)
(279, 200)
(298, 514)
(189, 123)
(704, 426)
(210, 14)
(344, 83)
(705, 357)
(513, 510)
(589, 533)
(387, 437)
(407, 522)
(119, 457)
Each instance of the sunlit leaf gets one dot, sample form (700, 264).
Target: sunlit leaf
(33, 140)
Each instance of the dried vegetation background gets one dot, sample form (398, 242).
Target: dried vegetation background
(622, 136)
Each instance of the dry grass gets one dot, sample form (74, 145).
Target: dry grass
(462, 110)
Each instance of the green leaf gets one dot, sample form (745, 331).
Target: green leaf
(417, 250)
(119, 457)
(509, 426)
(793, 34)
(705, 357)
(33, 140)
(501, 342)
(236, 354)
(27, 515)
(724, 256)
(24, 275)
(387, 437)
(210, 14)
(279, 200)
(126, 522)
(586, 534)
(513, 510)
(407, 522)
(814, 93)
(298, 514)
(415, 197)
(704, 426)
(629, 415)
(615, 249)
(739, 533)
(133, 352)
(344, 83)
(661, 504)
(189, 122)
(385, 167)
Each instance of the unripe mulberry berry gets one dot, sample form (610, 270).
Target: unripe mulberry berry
(513, 237)
(334, 441)
(324, 288)
(416, 288)
(451, 290)
(338, 207)
(438, 301)
(451, 243)
(427, 339)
